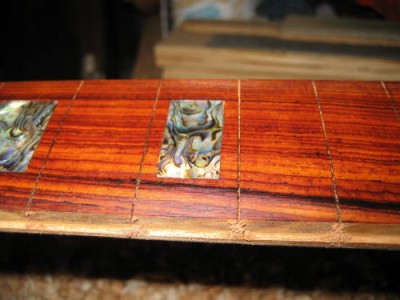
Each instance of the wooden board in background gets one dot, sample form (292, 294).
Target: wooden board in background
(229, 50)
(303, 163)
(271, 29)
(273, 72)
(305, 28)
(342, 30)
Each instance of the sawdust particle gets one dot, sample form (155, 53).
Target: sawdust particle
(337, 236)
(239, 231)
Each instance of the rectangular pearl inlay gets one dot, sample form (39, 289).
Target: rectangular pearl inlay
(191, 146)
(22, 124)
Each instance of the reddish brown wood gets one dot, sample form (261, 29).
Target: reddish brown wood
(16, 188)
(98, 159)
(284, 170)
(95, 161)
(364, 138)
(196, 197)
(393, 90)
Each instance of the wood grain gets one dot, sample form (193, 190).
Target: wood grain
(98, 159)
(270, 28)
(16, 188)
(342, 30)
(307, 234)
(364, 137)
(192, 197)
(303, 28)
(284, 164)
(219, 54)
(105, 132)
(393, 93)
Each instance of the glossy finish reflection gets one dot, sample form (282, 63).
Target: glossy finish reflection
(191, 146)
(21, 127)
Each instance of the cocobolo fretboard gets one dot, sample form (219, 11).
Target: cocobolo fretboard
(301, 162)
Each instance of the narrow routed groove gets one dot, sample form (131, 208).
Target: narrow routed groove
(146, 145)
(28, 205)
(390, 101)
(338, 210)
(238, 165)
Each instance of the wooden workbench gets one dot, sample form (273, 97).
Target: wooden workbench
(303, 163)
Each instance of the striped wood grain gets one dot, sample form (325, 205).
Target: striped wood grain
(364, 137)
(95, 162)
(98, 159)
(284, 163)
(393, 92)
(192, 197)
(16, 188)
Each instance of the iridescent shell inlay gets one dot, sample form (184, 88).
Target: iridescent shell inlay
(191, 147)
(21, 127)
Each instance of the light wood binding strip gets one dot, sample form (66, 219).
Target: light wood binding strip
(310, 234)
(30, 200)
(390, 100)
(264, 232)
(334, 186)
(145, 147)
(238, 165)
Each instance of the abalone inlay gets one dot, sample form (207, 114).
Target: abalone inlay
(191, 147)
(21, 127)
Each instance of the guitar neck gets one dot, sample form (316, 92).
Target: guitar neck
(299, 162)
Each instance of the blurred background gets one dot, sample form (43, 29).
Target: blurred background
(289, 39)
(62, 267)
(269, 39)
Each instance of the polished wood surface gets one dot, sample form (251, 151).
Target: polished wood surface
(192, 197)
(364, 138)
(285, 171)
(303, 163)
